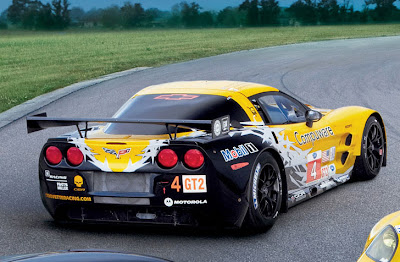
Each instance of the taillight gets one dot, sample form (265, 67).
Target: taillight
(167, 158)
(193, 158)
(74, 156)
(53, 155)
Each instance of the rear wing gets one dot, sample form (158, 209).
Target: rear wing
(217, 127)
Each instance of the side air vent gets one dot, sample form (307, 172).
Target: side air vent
(348, 140)
(344, 157)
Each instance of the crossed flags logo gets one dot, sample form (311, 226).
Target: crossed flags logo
(120, 152)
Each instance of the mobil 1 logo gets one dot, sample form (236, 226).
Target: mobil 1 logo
(239, 151)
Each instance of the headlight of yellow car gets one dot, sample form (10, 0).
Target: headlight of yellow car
(384, 245)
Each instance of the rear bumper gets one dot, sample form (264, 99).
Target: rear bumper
(152, 201)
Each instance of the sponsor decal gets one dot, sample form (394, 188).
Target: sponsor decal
(324, 171)
(328, 155)
(220, 126)
(68, 198)
(239, 151)
(342, 178)
(78, 181)
(169, 202)
(120, 152)
(194, 184)
(190, 202)
(299, 195)
(328, 170)
(255, 184)
(314, 166)
(55, 178)
(332, 170)
(239, 165)
(313, 136)
(327, 184)
(397, 229)
(176, 97)
(62, 186)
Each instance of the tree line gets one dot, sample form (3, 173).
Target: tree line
(33, 14)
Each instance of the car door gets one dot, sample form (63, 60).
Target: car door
(308, 151)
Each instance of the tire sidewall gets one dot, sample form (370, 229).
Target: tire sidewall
(371, 121)
(256, 218)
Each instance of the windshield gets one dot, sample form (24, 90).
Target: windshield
(173, 106)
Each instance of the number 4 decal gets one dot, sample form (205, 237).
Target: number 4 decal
(190, 183)
(314, 166)
(175, 184)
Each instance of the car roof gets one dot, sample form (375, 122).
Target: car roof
(222, 88)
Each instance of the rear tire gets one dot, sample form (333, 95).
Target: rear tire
(368, 164)
(265, 193)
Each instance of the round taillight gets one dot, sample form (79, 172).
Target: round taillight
(193, 158)
(167, 158)
(53, 155)
(74, 156)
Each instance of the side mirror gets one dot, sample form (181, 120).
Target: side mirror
(312, 116)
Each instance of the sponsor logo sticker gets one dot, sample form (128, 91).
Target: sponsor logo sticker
(299, 195)
(332, 170)
(255, 184)
(169, 202)
(239, 151)
(62, 186)
(313, 136)
(194, 184)
(54, 178)
(324, 171)
(327, 184)
(328, 170)
(68, 198)
(342, 178)
(78, 181)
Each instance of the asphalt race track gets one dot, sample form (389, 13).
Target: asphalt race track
(331, 227)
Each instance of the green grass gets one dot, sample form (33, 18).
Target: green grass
(34, 63)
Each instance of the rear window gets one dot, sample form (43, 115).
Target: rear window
(173, 106)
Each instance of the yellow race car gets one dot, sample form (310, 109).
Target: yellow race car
(383, 240)
(197, 152)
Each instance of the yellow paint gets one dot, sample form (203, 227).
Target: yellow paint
(342, 121)
(117, 163)
(391, 219)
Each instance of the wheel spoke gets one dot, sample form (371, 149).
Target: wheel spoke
(374, 147)
(268, 191)
(371, 161)
(271, 203)
(374, 131)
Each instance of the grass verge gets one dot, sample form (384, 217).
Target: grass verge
(34, 63)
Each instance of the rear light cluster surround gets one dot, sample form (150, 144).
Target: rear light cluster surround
(191, 158)
(54, 155)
